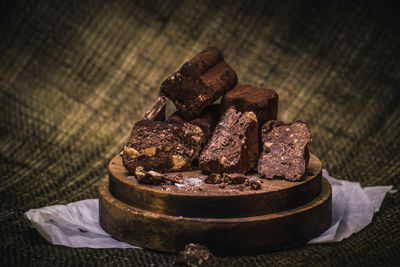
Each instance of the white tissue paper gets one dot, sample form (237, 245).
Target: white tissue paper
(77, 224)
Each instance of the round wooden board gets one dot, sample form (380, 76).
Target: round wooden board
(213, 202)
(223, 236)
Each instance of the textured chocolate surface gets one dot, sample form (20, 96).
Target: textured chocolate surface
(207, 120)
(196, 255)
(150, 177)
(233, 146)
(285, 154)
(263, 102)
(175, 118)
(199, 83)
(156, 111)
(162, 147)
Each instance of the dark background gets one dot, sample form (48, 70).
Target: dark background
(74, 76)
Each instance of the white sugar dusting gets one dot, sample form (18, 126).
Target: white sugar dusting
(191, 182)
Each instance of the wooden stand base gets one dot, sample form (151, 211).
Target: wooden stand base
(151, 224)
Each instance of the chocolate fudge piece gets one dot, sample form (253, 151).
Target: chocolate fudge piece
(196, 255)
(233, 146)
(175, 118)
(263, 102)
(162, 147)
(199, 83)
(156, 112)
(207, 120)
(285, 154)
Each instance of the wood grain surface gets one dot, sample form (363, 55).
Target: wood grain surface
(212, 201)
(224, 236)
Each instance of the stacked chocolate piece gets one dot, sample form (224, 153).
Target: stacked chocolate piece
(227, 140)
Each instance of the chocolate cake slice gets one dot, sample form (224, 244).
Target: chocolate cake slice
(162, 147)
(199, 83)
(233, 147)
(285, 154)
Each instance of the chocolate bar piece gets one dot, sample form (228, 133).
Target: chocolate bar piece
(263, 102)
(233, 147)
(285, 154)
(199, 83)
(175, 118)
(156, 112)
(196, 255)
(207, 120)
(162, 147)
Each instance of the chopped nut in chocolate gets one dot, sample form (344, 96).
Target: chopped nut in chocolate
(285, 154)
(196, 255)
(199, 83)
(156, 112)
(233, 147)
(162, 147)
(207, 120)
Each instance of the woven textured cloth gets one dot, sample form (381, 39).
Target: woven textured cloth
(75, 75)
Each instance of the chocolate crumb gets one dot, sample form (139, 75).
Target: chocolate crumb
(255, 184)
(196, 255)
(213, 178)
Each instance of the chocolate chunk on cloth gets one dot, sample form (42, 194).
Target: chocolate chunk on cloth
(233, 146)
(162, 147)
(285, 153)
(156, 111)
(199, 83)
(263, 102)
(196, 255)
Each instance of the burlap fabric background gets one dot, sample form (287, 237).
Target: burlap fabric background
(75, 76)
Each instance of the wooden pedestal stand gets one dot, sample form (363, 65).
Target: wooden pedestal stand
(227, 221)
